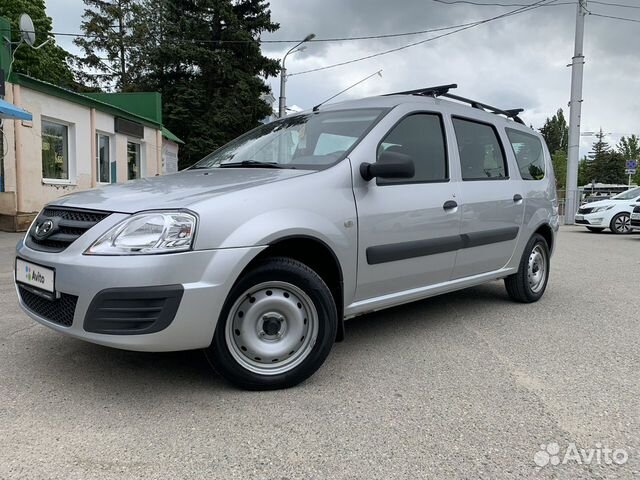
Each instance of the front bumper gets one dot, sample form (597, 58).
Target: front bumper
(206, 277)
(635, 224)
(598, 219)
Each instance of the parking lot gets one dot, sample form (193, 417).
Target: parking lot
(467, 385)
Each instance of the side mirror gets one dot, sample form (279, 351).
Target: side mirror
(389, 165)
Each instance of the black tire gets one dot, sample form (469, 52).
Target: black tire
(518, 285)
(276, 269)
(595, 230)
(620, 224)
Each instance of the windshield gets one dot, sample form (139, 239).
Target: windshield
(628, 195)
(308, 141)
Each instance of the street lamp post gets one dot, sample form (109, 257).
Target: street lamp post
(282, 104)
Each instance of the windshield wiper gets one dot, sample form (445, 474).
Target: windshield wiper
(251, 164)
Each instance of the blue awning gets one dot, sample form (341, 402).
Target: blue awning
(9, 110)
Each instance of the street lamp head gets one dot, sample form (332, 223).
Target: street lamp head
(309, 37)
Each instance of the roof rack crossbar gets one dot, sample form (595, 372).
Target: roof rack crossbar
(427, 92)
(512, 113)
(443, 91)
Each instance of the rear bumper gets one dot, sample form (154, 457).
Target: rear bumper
(203, 278)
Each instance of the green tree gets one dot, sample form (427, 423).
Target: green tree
(112, 50)
(584, 173)
(205, 59)
(629, 148)
(47, 63)
(559, 161)
(605, 165)
(556, 132)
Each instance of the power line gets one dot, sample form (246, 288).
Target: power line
(622, 5)
(634, 20)
(526, 8)
(482, 4)
(336, 39)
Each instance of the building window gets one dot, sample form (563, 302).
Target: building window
(133, 160)
(103, 158)
(55, 151)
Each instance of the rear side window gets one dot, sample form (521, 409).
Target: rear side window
(529, 154)
(481, 154)
(421, 137)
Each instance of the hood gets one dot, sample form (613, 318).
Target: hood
(178, 190)
(600, 203)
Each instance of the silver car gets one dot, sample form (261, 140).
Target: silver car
(261, 251)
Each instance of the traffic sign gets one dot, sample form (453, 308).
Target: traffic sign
(632, 164)
(630, 171)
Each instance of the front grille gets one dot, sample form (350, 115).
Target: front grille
(583, 222)
(133, 311)
(60, 310)
(67, 225)
(584, 210)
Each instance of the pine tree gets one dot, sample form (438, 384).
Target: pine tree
(205, 59)
(556, 133)
(605, 165)
(47, 63)
(116, 32)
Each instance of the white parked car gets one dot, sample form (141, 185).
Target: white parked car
(614, 213)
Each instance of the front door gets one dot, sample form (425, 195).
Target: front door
(492, 203)
(408, 228)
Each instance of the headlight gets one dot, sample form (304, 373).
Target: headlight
(602, 209)
(147, 233)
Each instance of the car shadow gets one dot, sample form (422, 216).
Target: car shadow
(121, 375)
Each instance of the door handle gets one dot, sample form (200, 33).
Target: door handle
(450, 205)
(517, 198)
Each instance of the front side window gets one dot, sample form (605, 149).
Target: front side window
(103, 158)
(55, 151)
(133, 160)
(421, 137)
(529, 154)
(481, 156)
(308, 141)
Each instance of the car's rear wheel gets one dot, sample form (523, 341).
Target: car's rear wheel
(595, 230)
(276, 327)
(621, 223)
(528, 284)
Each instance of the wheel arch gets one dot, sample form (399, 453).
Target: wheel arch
(317, 255)
(547, 233)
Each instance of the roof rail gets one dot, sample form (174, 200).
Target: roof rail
(443, 91)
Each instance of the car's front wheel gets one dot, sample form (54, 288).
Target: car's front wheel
(528, 284)
(621, 223)
(276, 328)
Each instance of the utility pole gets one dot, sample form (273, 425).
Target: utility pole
(573, 154)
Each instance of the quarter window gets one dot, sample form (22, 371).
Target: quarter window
(55, 151)
(481, 156)
(103, 157)
(421, 137)
(133, 160)
(529, 154)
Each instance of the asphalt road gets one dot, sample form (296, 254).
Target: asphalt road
(467, 385)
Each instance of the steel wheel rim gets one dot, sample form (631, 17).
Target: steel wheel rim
(622, 223)
(272, 328)
(537, 269)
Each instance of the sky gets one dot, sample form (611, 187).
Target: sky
(518, 61)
